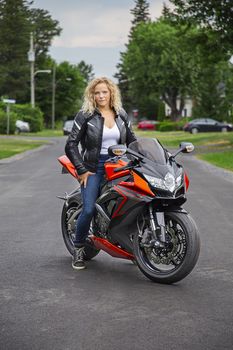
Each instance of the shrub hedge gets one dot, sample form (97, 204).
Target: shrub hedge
(33, 116)
(25, 112)
(171, 126)
(3, 122)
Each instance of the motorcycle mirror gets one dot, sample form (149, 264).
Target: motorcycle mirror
(116, 150)
(186, 147)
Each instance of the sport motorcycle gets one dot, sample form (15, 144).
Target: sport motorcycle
(139, 214)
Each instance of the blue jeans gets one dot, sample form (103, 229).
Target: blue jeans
(89, 196)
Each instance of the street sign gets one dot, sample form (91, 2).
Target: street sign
(7, 100)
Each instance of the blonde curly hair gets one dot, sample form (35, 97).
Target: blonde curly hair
(89, 103)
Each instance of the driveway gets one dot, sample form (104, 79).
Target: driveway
(44, 304)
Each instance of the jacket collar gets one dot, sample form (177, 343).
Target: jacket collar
(99, 113)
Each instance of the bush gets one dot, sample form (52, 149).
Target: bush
(166, 126)
(33, 116)
(161, 111)
(172, 126)
(3, 121)
(181, 123)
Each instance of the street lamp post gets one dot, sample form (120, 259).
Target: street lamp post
(31, 59)
(53, 96)
(33, 84)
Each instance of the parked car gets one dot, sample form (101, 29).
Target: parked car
(22, 126)
(68, 125)
(206, 125)
(147, 125)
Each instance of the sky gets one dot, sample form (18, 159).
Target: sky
(95, 31)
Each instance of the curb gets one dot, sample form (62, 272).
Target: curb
(26, 153)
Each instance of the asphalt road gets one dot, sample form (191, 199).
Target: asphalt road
(44, 304)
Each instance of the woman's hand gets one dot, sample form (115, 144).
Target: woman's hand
(83, 178)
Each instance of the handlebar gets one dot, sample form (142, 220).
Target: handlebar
(130, 165)
(126, 167)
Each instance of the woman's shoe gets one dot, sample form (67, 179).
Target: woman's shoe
(78, 259)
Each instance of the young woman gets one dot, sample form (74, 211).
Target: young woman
(100, 123)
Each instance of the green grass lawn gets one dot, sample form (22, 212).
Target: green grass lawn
(44, 133)
(221, 159)
(10, 146)
(213, 141)
(216, 141)
(173, 138)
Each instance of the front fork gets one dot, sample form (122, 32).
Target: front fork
(157, 223)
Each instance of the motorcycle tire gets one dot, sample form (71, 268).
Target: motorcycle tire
(90, 251)
(186, 236)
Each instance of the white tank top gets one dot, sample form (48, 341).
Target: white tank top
(110, 137)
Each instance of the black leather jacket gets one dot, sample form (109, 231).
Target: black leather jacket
(88, 130)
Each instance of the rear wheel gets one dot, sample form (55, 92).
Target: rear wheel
(176, 260)
(69, 217)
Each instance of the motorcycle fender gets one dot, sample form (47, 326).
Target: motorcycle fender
(74, 196)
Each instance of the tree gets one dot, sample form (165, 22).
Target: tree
(14, 39)
(86, 71)
(17, 20)
(212, 47)
(45, 29)
(214, 14)
(69, 88)
(159, 63)
(140, 14)
(213, 91)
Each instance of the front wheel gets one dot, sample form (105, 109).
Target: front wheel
(69, 217)
(176, 260)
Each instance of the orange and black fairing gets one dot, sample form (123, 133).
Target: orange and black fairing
(111, 249)
(138, 184)
(132, 193)
(129, 191)
(110, 167)
(66, 163)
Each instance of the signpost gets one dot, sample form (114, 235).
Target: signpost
(135, 114)
(8, 103)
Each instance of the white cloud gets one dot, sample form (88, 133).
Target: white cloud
(94, 23)
(87, 29)
(93, 31)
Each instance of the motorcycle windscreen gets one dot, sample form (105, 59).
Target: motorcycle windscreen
(151, 149)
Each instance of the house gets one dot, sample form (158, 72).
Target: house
(187, 110)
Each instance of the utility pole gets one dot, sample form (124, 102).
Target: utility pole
(53, 96)
(31, 59)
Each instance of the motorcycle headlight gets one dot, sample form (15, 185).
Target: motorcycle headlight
(168, 183)
(178, 181)
(155, 182)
